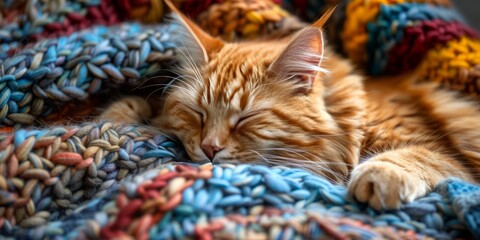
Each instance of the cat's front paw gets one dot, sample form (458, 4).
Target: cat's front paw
(130, 109)
(384, 185)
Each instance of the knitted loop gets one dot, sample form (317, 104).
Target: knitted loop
(52, 171)
(113, 181)
(50, 19)
(358, 14)
(389, 28)
(25, 21)
(239, 19)
(417, 41)
(68, 68)
(256, 202)
(226, 201)
(456, 65)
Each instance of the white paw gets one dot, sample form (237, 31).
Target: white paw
(384, 185)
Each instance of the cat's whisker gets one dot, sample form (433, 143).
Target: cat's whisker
(167, 98)
(317, 158)
(190, 61)
(153, 75)
(164, 76)
(159, 84)
(324, 166)
(179, 77)
(189, 88)
(140, 86)
(168, 85)
(318, 170)
(317, 161)
(312, 166)
(191, 65)
(260, 155)
(165, 86)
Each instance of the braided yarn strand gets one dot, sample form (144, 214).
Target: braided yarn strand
(60, 70)
(30, 21)
(455, 65)
(252, 202)
(391, 37)
(106, 180)
(46, 174)
(359, 14)
(233, 20)
(397, 18)
(258, 202)
(403, 57)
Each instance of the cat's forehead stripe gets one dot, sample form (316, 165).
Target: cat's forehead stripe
(230, 80)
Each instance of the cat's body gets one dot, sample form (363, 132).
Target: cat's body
(292, 102)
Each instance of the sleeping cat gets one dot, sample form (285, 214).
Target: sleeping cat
(293, 102)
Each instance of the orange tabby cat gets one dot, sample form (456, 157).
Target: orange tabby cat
(293, 102)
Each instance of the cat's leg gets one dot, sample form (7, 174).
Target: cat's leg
(130, 109)
(391, 178)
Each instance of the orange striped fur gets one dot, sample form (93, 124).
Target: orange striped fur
(293, 102)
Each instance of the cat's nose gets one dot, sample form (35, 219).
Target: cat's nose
(210, 148)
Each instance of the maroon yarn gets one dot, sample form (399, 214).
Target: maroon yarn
(193, 8)
(103, 14)
(419, 39)
(126, 6)
(300, 7)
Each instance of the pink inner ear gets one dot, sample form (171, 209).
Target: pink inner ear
(301, 58)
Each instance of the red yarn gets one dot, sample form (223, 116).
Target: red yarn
(419, 39)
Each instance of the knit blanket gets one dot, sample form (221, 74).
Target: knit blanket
(93, 180)
(109, 180)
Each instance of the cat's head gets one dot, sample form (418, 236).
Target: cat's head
(256, 102)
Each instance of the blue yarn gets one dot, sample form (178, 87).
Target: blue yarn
(466, 202)
(381, 36)
(205, 199)
(76, 66)
(312, 11)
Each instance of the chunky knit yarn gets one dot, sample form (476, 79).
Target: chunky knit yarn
(106, 180)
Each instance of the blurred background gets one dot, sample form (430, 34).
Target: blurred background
(471, 10)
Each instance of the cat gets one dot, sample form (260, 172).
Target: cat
(294, 102)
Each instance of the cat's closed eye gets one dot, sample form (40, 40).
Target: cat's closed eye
(202, 117)
(244, 119)
(199, 115)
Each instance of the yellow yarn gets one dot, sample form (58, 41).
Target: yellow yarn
(357, 15)
(149, 14)
(153, 13)
(456, 64)
(233, 19)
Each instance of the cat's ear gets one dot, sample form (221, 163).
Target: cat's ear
(197, 41)
(301, 60)
(320, 23)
